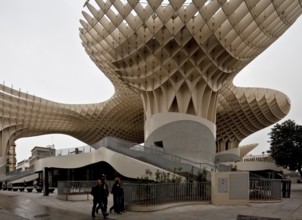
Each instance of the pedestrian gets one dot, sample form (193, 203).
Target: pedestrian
(117, 192)
(104, 193)
(96, 193)
(35, 183)
(4, 185)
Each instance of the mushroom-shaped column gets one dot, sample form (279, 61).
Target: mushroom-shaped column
(177, 55)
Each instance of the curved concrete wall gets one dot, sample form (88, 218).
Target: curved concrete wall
(257, 165)
(182, 135)
(125, 165)
(254, 166)
(231, 155)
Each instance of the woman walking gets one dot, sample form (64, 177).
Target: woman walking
(117, 192)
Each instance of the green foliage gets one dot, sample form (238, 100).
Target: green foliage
(202, 175)
(147, 178)
(286, 145)
(161, 177)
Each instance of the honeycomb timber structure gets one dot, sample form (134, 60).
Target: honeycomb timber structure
(172, 64)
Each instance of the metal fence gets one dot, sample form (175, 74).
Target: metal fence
(265, 189)
(162, 193)
(77, 187)
(74, 150)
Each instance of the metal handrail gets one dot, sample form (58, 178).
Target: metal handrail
(163, 193)
(153, 156)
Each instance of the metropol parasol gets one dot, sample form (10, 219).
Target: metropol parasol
(172, 64)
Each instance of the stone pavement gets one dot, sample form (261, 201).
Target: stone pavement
(24, 205)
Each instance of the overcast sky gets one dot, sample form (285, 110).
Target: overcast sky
(41, 53)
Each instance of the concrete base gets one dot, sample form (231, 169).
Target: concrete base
(74, 197)
(183, 135)
(230, 188)
(151, 208)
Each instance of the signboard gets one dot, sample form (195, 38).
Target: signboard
(223, 185)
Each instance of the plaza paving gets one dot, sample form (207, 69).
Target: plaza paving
(24, 205)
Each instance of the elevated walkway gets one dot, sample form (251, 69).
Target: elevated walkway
(155, 156)
(129, 159)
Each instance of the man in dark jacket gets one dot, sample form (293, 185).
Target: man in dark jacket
(104, 193)
(96, 193)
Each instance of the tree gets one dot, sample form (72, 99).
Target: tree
(202, 176)
(286, 145)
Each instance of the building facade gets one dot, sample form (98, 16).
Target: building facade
(23, 165)
(39, 153)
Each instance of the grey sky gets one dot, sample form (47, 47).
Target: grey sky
(41, 53)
